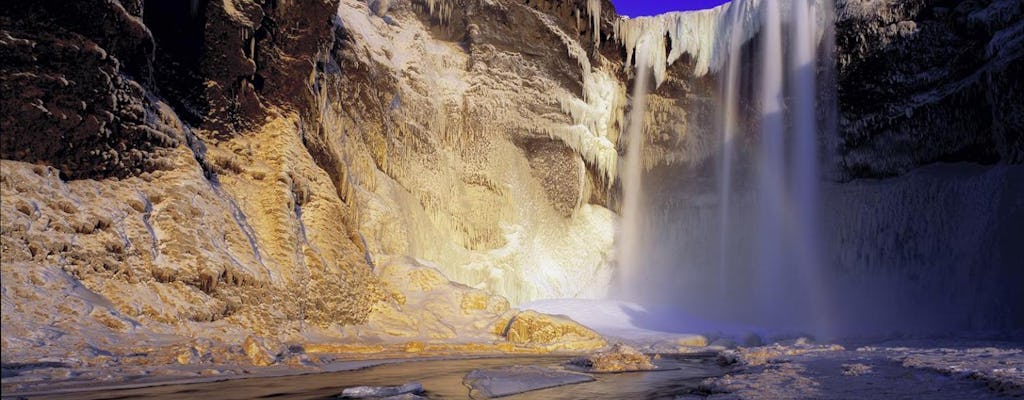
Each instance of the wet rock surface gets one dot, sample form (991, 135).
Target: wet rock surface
(620, 358)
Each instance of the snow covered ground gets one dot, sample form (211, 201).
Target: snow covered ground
(650, 327)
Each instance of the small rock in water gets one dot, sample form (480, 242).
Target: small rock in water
(856, 369)
(383, 392)
(620, 358)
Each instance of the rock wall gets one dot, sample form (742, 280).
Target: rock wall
(188, 175)
(226, 168)
(478, 150)
(928, 81)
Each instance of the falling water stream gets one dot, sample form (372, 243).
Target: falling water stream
(631, 236)
(767, 269)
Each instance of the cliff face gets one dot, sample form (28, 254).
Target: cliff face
(150, 225)
(218, 170)
(929, 81)
(222, 168)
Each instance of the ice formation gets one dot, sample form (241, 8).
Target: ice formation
(597, 114)
(594, 10)
(469, 202)
(704, 35)
(442, 9)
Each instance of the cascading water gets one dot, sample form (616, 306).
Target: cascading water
(787, 187)
(631, 234)
(730, 87)
(767, 272)
(772, 252)
(727, 232)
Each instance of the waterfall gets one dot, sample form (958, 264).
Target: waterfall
(730, 87)
(805, 172)
(773, 239)
(752, 256)
(631, 233)
(787, 187)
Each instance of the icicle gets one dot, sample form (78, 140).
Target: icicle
(595, 114)
(576, 13)
(442, 9)
(594, 10)
(704, 35)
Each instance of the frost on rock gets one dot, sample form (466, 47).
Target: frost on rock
(487, 178)
(598, 113)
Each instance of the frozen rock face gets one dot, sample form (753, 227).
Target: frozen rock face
(173, 250)
(252, 192)
(236, 169)
(482, 152)
(66, 96)
(927, 81)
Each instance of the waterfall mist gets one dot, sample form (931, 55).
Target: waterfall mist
(764, 267)
(759, 236)
(631, 235)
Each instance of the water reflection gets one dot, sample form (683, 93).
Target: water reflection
(442, 379)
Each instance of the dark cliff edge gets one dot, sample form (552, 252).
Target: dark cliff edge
(81, 80)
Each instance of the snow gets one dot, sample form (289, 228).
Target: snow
(639, 325)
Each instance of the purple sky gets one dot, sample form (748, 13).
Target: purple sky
(637, 8)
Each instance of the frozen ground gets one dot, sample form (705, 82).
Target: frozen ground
(793, 370)
(645, 326)
(926, 370)
(909, 368)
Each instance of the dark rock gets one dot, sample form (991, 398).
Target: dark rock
(929, 81)
(68, 102)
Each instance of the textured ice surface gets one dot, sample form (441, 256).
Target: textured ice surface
(922, 370)
(372, 392)
(506, 381)
(498, 229)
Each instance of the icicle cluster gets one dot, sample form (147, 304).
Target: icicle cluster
(594, 116)
(442, 9)
(704, 35)
(594, 10)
